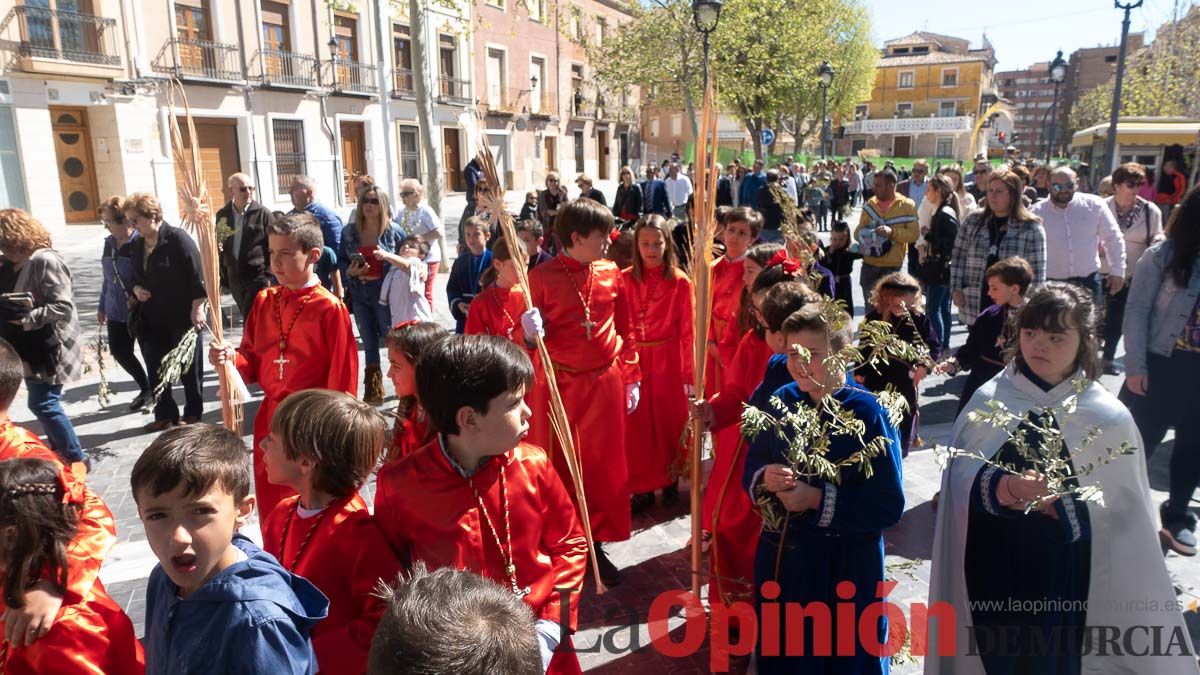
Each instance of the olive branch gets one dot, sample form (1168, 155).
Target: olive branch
(175, 363)
(1044, 457)
(99, 345)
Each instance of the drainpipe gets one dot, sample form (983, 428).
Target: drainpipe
(384, 97)
(129, 55)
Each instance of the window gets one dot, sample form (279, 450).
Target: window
(948, 109)
(601, 27)
(906, 79)
(857, 145)
(576, 25)
(920, 50)
(289, 152)
(496, 77)
(904, 110)
(12, 182)
(496, 3)
(654, 126)
(537, 69)
(402, 51)
(578, 137)
(861, 111)
(677, 124)
(900, 50)
(950, 77)
(276, 32)
(410, 152)
(945, 147)
(537, 9)
(345, 32)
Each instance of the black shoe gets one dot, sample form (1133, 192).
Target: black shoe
(641, 502)
(1110, 368)
(670, 495)
(1178, 532)
(139, 403)
(609, 573)
(159, 425)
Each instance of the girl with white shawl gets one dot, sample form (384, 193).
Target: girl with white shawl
(1074, 586)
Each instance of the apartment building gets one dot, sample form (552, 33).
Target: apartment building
(1031, 92)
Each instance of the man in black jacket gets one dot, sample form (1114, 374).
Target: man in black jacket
(245, 255)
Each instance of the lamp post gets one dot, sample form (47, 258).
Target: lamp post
(706, 14)
(1058, 73)
(1110, 144)
(825, 72)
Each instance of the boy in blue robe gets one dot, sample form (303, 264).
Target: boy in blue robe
(466, 273)
(834, 529)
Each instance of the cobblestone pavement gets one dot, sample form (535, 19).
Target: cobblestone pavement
(654, 560)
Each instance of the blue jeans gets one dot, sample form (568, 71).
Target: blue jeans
(1093, 283)
(770, 237)
(373, 319)
(45, 400)
(937, 305)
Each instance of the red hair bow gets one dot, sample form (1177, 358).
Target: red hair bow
(73, 485)
(614, 234)
(781, 258)
(405, 324)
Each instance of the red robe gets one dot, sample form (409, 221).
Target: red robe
(410, 434)
(727, 286)
(91, 636)
(321, 354)
(728, 512)
(96, 534)
(345, 559)
(662, 312)
(592, 375)
(497, 311)
(428, 511)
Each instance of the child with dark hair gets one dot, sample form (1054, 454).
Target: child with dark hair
(39, 519)
(582, 306)
(531, 233)
(661, 295)
(450, 621)
(1004, 541)
(324, 445)
(405, 344)
(833, 541)
(480, 499)
(297, 336)
(95, 531)
(988, 339)
(839, 259)
(216, 602)
(897, 301)
(464, 282)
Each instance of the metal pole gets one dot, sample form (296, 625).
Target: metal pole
(705, 69)
(824, 121)
(1110, 143)
(1053, 124)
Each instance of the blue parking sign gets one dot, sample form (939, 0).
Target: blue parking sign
(766, 137)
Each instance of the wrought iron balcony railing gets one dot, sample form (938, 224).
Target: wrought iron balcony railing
(201, 59)
(280, 67)
(352, 77)
(65, 36)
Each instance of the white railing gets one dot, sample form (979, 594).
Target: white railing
(911, 125)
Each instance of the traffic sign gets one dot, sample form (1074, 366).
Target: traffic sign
(766, 137)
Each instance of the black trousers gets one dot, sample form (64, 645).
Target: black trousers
(155, 345)
(120, 343)
(1170, 403)
(1114, 316)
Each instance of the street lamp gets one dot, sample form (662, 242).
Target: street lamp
(1058, 73)
(1110, 144)
(333, 60)
(825, 72)
(706, 14)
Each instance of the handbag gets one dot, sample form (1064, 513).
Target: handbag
(134, 322)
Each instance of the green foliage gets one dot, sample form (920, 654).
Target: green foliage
(1045, 457)
(1160, 80)
(178, 360)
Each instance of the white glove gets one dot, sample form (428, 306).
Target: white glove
(531, 323)
(633, 394)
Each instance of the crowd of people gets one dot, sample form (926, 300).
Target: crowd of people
(471, 480)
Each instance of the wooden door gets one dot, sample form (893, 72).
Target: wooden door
(550, 154)
(453, 160)
(602, 154)
(275, 39)
(446, 60)
(219, 156)
(347, 49)
(902, 146)
(354, 155)
(191, 28)
(76, 168)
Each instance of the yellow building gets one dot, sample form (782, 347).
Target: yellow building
(927, 94)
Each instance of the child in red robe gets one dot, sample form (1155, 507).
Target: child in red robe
(661, 295)
(728, 516)
(497, 310)
(324, 444)
(742, 225)
(581, 303)
(405, 344)
(478, 498)
(297, 336)
(39, 509)
(95, 532)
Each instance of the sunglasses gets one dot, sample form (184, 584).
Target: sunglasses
(1061, 187)
(371, 200)
(245, 188)
(407, 193)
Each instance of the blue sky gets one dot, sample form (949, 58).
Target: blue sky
(1026, 31)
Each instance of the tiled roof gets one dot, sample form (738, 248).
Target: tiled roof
(920, 38)
(932, 58)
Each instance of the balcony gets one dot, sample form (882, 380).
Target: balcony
(199, 60)
(352, 77)
(54, 35)
(454, 92)
(544, 104)
(281, 68)
(404, 85)
(911, 125)
(501, 101)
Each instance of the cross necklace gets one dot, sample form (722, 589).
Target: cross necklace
(506, 553)
(585, 298)
(285, 334)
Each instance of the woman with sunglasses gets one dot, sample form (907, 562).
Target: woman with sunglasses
(1141, 224)
(367, 243)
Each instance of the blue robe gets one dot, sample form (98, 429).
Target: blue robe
(463, 284)
(840, 541)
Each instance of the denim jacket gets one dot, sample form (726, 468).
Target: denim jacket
(1156, 310)
(389, 240)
